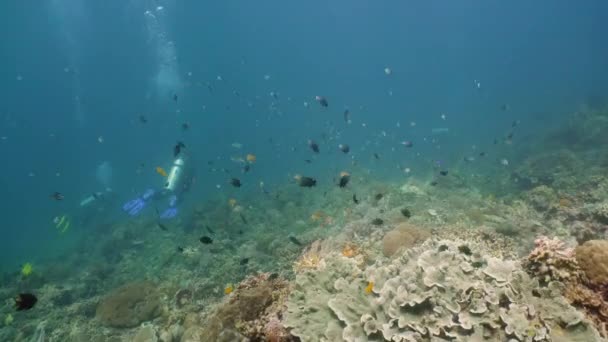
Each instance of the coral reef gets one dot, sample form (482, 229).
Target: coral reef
(552, 261)
(592, 256)
(130, 305)
(442, 289)
(251, 311)
(404, 236)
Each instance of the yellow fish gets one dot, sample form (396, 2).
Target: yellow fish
(232, 202)
(228, 290)
(369, 287)
(27, 269)
(161, 171)
(251, 158)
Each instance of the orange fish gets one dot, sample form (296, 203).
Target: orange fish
(251, 158)
(161, 171)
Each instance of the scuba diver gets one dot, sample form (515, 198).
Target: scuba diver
(178, 181)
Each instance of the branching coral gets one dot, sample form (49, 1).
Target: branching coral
(551, 260)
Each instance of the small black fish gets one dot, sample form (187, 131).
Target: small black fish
(57, 196)
(322, 101)
(482, 154)
(344, 178)
(378, 197)
(295, 241)
(344, 148)
(143, 119)
(355, 199)
(243, 218)
(504, 107)
(510, 136)
(162, 226)
(25, 301)
(307, 182)
(515, 123)
(376, 156)
(178, 148)
(209, 229)
(244, 261)
(180, 249)
(433, 183)
(313, 146)
(246, 168)
(495, 141)
(406, 212)
(377, 222)
(206, 240)
(235, 182)
(175, 98)
(308, 161)
(185, 126)
(347, 115)
(443, 173)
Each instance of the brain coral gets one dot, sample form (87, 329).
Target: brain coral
(404, 236)
(592, 257)
(130, 305)
(442, 290)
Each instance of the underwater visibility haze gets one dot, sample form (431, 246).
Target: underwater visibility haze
(304, 171)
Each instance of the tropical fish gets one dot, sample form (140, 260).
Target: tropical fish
(25, 301)
(322, 101)
(377, 222)
(369, 287)
(62, 224)
(344, 178)
(313, 146)
(251, 158)
(206, 240)
(344, 148)
(232, 202)
(235, 182)
(228, 290)
(161, 171)
(27, 269)
(178, 148)
(57, 196)
(294, 240)
(305, 182)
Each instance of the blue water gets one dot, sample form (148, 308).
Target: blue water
(74, 71)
